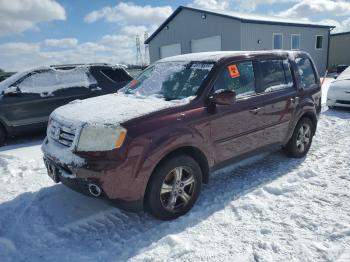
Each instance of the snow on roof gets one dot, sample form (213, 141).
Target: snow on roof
(217, 55)
(247, 18)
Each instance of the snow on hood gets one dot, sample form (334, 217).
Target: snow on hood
(111, 109)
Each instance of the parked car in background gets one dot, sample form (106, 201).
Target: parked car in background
(339, 91)
(28, 98)
(182, 118)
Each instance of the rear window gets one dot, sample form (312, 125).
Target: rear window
(306, 72)
(116, 75)
(276, 74)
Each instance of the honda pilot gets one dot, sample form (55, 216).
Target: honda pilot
(153, 144)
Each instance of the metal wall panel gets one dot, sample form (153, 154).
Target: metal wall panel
(260, 37)
(189, 25)
(339, 50)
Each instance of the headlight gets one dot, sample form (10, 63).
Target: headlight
(100, 138)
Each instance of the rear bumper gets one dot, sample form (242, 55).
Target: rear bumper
(118, 183)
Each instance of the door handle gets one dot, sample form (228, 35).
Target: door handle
(255, 110)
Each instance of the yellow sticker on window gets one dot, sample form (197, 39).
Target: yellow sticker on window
(233, 70)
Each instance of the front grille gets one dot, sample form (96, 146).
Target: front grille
(61, 133)
(343, 102)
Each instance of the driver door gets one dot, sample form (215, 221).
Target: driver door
(238, 128)
(27, 106)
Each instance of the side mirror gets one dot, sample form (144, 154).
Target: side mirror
(224, 97)
(12, 90)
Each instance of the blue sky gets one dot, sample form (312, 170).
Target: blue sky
(40, 32)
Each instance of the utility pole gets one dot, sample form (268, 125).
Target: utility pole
(139, 60)
(146, 57)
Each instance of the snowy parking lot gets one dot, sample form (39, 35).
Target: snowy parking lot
(267, 208)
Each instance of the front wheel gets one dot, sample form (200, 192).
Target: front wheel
(300, 142)
(174, 187)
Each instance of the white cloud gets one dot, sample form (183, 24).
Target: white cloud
(17, 16)
(211, 4)
(129, 13)
(119, 48)
(251, 5)
(305, 8)
(61, 43)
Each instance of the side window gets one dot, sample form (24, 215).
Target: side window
(295, 42)
(277, 41)
(237, 77)
(319, 41)
(306, 72)
(276, 74)
(38, 82)
(116, 75)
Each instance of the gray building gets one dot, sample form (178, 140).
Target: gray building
(338, 51)
(191, 30)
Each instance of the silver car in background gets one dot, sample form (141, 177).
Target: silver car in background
(339, 91)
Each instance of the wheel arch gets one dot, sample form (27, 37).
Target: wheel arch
(312, 116)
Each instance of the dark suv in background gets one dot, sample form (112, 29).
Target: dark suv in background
(180, 119)
(28, 98)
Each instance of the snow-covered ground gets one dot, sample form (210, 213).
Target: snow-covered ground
(268, 208)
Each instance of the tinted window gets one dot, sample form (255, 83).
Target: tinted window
(319, 42)
(116, 75)
(277, 41)
(276, 74)
(237, 77)
(306, 72)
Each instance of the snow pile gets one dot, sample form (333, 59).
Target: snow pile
(111, 109)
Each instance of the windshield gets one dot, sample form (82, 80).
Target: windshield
(170, 80)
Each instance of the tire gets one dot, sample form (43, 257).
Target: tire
(301, 140)
(2, 135)
(169, 197)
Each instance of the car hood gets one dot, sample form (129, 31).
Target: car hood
(112, 109)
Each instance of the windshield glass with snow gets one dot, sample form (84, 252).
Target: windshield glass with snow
(170, 80)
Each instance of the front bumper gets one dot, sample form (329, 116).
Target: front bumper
(118, 183)
(338, 102)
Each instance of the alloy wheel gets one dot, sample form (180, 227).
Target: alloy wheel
(304, 137)
(177, 188)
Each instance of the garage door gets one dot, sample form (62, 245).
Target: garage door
(206, 44)
(170, 50)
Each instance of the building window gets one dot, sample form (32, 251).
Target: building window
(319, 41)
(295, 42)
(277, 41)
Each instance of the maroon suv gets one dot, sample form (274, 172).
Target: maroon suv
(155, 142)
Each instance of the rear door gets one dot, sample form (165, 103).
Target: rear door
(280, 100)
(238, 128)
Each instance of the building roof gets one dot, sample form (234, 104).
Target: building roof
(246, 18)
(217, 55)
(342, 33)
